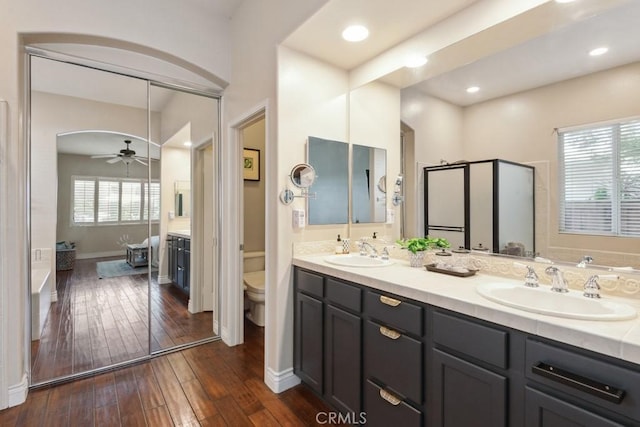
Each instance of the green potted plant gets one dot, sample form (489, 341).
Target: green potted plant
(418, 245)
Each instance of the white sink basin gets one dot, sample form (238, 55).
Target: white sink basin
(542, 300)
(356, 260)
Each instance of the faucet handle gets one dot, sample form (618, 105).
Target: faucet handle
(531, 278)
(591, 286)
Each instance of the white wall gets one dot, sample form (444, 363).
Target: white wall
(205, 42)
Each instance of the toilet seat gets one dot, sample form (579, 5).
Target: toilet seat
(254, 281)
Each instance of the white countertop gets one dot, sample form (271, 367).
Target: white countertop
(620, 339)
(186, 234)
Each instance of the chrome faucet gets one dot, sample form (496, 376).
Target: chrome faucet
(364, 245)
(587, 259)
(531, 278)
(558, 282)
(591, 286)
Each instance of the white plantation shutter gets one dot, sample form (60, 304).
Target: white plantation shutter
(600, 179)
(83, 201)
(152, 207)
(108, 201)
(629, 178)
(130, 201)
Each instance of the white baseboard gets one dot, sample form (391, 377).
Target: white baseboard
(216, 326)
(54, 295)
(88, 255)
(18, 392)
(280, 381)
(163, 280)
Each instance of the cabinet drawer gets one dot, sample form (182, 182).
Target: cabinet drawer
(394, 360)
(585, 376)
(385, 409)
(345, 295)
(472, 339)
(394, 312)
(309, 283)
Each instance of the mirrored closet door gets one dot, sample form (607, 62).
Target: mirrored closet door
(104, 190)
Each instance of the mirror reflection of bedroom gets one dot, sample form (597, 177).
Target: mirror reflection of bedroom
(112, 218)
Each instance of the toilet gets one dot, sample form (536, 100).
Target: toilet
(253, 285)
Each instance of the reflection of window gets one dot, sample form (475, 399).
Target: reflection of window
(114, 201)
(600, 179)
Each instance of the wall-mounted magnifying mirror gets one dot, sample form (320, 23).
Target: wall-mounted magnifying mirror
(303, 175)
(382, 183)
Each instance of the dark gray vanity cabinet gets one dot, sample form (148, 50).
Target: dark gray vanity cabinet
(400, 362)
(393, 358)
(576, 387)
(179, 261)
(468, 380)
(327, 330)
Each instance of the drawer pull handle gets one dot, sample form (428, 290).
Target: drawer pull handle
(390, 333)
(390, 397)
(389, 301)
(578, 382)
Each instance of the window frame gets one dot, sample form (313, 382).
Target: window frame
(616, 197)
(143, 182)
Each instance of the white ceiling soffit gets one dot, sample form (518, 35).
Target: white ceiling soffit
(389, 22)
(130, 62)
(556, 56)
(98, 142)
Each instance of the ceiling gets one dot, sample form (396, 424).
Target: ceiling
(543, 45)
(93, 143)
(389, 23)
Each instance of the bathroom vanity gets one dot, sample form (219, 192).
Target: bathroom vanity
(179, 260)
(409, 347)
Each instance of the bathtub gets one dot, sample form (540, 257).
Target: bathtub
(40, 299)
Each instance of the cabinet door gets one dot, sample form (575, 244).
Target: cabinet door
(543, 410)
(343, 333)
(309, 341)
(171, 261)
(464, 394)
(187, 271)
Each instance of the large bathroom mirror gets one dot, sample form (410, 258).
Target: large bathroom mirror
(329, 159)
(526, 94)
(182, 198)
(101, 189)
(368, 184)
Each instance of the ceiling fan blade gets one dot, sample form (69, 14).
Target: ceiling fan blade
(140, 161)
(103, 156)
(114, 160)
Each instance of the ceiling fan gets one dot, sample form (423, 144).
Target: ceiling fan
(126, 155)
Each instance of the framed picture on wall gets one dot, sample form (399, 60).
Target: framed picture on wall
(251, 164)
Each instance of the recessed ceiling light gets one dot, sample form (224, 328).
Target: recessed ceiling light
(355, 33)
(473, 89)
(599, 51)
(415, 61)
(187, 144)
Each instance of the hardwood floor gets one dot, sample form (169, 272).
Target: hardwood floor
(98, 322)
(207, 385)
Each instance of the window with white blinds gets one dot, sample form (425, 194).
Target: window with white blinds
(104, 201)
(600, 179)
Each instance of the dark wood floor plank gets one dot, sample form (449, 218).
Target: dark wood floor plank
(177, 402)
(158, 416)
(263, 418)
(148, 387)
(199, 400)
(232, 413)
(127, 392)
(107, 416)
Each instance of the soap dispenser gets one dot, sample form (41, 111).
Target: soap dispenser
(339, 246)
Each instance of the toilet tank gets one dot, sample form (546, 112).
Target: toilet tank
(253, 261)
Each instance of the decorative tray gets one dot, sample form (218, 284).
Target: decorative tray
(432, 267)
